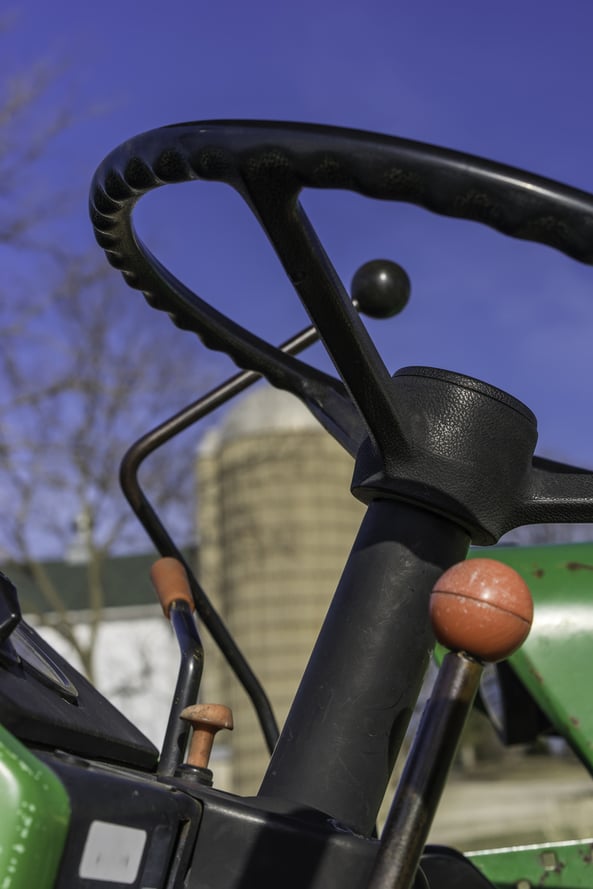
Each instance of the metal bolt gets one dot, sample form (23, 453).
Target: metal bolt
(207, 720)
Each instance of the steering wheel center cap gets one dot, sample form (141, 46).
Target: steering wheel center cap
(470, 384)
(463, 449)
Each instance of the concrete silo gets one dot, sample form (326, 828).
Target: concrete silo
(276, 523)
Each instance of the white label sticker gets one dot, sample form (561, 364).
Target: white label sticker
(112, 853)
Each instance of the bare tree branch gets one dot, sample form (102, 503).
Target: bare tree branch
(85, 370)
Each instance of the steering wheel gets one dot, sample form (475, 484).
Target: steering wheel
(269, 164)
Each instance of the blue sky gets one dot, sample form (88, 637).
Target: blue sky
(511, 81)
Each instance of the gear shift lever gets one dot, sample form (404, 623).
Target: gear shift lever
(482, 610)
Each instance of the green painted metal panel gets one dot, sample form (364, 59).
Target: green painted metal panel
(556, 662)
(566, 865)
(34, 818)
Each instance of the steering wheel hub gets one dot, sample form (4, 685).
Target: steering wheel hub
(464, 451)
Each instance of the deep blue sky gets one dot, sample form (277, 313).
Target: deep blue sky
(508, 80)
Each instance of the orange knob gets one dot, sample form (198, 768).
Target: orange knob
(482, 607)
(207, 720)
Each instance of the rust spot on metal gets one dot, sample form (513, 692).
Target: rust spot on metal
(579, 566)
(537, 675)
(587, 857)
(538, 573)
(575, 721)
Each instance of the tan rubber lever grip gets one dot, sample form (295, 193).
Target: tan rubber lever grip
(169, 579)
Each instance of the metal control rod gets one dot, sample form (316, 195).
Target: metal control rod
(479, 606)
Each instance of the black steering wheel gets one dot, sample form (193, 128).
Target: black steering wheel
(269, 164)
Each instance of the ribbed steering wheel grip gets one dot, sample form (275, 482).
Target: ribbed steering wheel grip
(269, 163)
(285, 157)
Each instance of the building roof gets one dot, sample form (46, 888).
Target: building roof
(264, 410)
(126, 582)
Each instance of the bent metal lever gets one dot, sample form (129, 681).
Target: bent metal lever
(173, 590)
(429, 493)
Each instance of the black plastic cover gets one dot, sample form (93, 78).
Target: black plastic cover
(87, 726)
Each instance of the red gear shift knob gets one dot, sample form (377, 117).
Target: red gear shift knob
(482, 607)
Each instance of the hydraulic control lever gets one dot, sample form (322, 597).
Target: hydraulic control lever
(172, 586)
(174, 593)
(206, 721)
(481, 610)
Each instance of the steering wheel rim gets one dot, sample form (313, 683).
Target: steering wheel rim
(269, 164)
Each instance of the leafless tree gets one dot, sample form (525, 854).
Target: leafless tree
(86, 367)
(90, 379)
